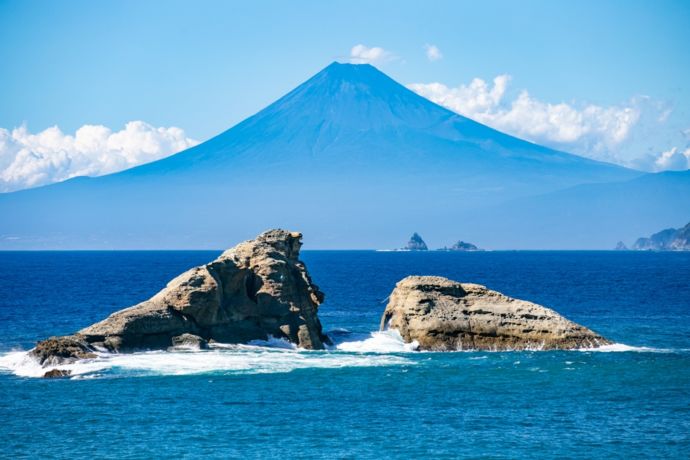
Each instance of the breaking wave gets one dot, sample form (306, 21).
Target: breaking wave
(260, 357)
(388, 341)
(621, 347)
(381, 348)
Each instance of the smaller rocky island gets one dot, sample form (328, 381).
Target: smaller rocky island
(445, 315)
(671, 239)
(416, 243)
(462, 246)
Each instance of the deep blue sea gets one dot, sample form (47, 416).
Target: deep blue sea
(371, 397)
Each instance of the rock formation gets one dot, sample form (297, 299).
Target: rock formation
(462, 246)
(416, 243)
(57, 373)
(256, 289)
(57, 350)
(670, 239)
(620, 246)
(441, 314)
(189, 341)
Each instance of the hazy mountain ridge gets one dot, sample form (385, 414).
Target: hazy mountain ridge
(603, 213)
(350, 157)
(670, 239)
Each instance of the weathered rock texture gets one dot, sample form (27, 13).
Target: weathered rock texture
(57, 350)
(256, 289)
(441, 314)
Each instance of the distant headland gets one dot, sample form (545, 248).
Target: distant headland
(670, 239)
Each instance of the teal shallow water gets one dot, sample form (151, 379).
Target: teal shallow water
(382, 401)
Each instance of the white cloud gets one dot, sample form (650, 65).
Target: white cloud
(591, 130)
(674, 159)
(361, 54)
(433, 53)
(29, 160)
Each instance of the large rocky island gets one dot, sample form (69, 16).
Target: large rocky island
(257, 289)
(445, 315)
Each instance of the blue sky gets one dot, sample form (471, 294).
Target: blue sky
(203, 66)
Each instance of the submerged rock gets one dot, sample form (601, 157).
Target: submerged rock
(56, 374)
(441, 314)
(257, 289)
(416, 243)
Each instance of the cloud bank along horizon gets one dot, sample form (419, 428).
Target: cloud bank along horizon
(594, 131)
(34, 159)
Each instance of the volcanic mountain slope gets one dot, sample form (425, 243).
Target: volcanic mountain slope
(350, 156)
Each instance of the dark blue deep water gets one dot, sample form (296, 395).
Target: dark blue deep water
(371, 398)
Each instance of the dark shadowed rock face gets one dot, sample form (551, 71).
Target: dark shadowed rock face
(441, 314)
(416, 243)
(256, 289)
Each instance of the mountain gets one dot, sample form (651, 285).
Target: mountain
(671, 239)
(350, 157)
(591, 216)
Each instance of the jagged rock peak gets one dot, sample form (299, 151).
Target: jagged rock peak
(416, 243)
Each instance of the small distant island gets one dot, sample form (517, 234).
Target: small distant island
(416, 243)
(462, 246)
(671, 239)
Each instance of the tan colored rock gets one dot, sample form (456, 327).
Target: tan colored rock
(444, 315)
(256, 289)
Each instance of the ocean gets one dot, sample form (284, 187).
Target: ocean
(370, 396)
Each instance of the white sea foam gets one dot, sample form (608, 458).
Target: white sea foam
(21, 364)
(621, 347)
(259, 357)
(384, 348)
(388, 341)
